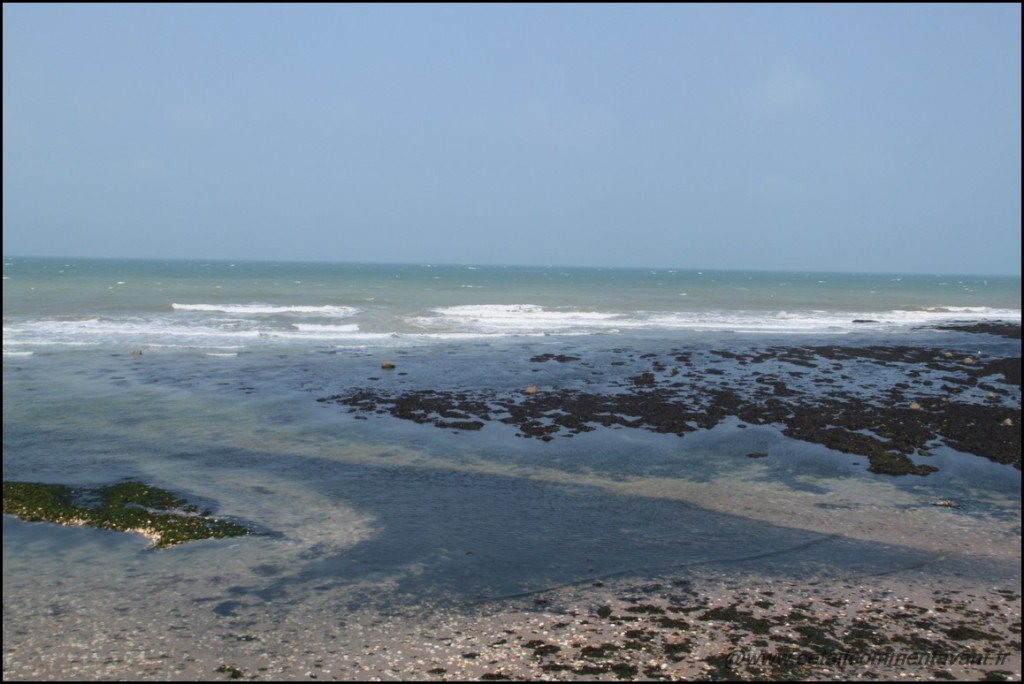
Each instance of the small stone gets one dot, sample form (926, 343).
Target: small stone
(968, 360)
(1008, 422)
(915, 406)
(387, 365)
(532, 389)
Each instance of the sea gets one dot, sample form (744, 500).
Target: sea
(203, 378)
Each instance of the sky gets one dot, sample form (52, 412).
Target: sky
(874, 138)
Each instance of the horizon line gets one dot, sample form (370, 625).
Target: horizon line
(481, 264)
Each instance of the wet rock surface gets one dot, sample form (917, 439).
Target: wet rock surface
(890, 403)
(163, 518)
(1000, 329)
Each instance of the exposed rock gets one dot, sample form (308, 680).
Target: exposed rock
(1010, 331)
(885, 426)
(128, 506)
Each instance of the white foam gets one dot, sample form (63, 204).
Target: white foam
(512, 319)
(523, 319)
(327, 329)
(265, 309)
(324, 336)
(204, 326)
(982, 311)
(811, 321)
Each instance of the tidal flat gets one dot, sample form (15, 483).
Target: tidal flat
(640, 540)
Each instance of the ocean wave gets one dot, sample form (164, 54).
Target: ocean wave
(810, 321)
(210, 329)
(326, 329)
(269, 309)
(498, 319)
(982, 311)
(512, 318)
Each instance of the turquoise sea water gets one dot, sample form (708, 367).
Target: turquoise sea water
(224, 306)
(203, 378)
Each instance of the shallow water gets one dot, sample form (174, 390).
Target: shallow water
(433, 506)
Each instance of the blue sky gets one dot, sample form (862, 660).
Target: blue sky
(790, 137)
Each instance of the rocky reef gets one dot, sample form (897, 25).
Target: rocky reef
(128, 506)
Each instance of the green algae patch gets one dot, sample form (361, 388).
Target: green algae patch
(230, 671)
(129, 506)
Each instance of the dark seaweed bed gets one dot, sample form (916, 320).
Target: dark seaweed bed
(886, 402)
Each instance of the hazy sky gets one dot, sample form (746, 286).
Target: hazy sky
(796, 137)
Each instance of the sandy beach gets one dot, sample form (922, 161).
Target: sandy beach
(708, 626)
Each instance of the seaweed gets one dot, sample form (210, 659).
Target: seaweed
(127, 506)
